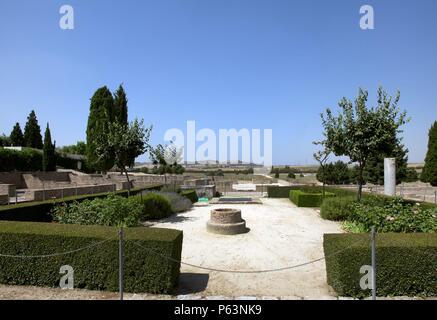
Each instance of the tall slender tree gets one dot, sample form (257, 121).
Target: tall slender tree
(32, 132)
(17, 137)
(100, 116)
(120, 106)
(49, 157)
(429, 172)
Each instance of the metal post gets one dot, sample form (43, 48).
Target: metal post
(43, 192)
(16, 197)
(121, 262)
(373, 239)
(76, 189)
(62, 192)
(435, 197)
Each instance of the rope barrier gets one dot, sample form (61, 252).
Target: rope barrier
(245, 271)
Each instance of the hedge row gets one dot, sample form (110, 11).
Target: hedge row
(39, 211)
(309, 200)
(284, 192)
(95, 268)
(191, 195)
(29, 159)
(406, 263)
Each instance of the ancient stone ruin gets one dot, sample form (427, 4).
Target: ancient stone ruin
(226, 221)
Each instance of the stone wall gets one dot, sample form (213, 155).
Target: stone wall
(8, 189)
(4, 199)
(14, 178)
(39, 195)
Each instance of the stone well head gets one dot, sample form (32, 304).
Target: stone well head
(226, 221)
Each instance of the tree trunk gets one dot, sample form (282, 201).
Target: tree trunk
(128, 183)
(360, 181)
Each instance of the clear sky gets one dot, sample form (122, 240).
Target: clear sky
(223, 63)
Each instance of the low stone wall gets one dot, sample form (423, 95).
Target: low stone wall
(202, 191)
(39, 195)
(14, 178)
(4, 199)
(8, 189)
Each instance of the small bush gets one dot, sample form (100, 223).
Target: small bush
(155, 206)
(406, 263)
(336, 208)
(191, 195)
(291, 175)
(304, 199)
(95, 268)
(393, 215)
(39, 211)
(110, 211)
(178, 203)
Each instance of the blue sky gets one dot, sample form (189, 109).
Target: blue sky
(225, 64)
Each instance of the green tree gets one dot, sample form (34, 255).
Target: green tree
(17, 137)
(49, 157)
(322, 157)
(120, 105)
(374, 170)
(32, 132)
(360, 132)
(335, 173)
(5, 141)
(100, 116)
(122, 143)
(429, 172)
(78, 148)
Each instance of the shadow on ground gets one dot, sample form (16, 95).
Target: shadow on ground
(192, 283)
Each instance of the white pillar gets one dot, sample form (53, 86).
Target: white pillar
(390, 176)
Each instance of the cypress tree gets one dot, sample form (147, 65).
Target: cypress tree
(429, 172)
(32, 132)
(49, 158)
(17, 138)
(120, 105)
(101, 114)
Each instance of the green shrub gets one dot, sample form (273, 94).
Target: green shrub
(393, 215)
(336, 208)
(191, 195)
(39, 211)
(304, 199)
(178, 203)
(279, 192)
(95, 268)
(110, 211)
(155, 206)
(25, 160)
(406, 263)
(291, 175)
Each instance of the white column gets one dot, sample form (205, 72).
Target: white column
(390, 176)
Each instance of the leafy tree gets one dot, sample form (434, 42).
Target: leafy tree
(100, 116)
(120, 105)
(17, 137)
(359, 132)
(429, 172)
(78, 148)
(49, 157)
(32, 132)
(374, 171)
(335, 173)
(166, 159)
(122, 143)
(4, 141)
(411, 175)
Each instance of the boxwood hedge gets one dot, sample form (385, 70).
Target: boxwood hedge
(306, 199)
(95, 268)
(39, 211)
(406, 263)
(191, 195)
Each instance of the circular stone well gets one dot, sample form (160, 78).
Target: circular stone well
(226, 221)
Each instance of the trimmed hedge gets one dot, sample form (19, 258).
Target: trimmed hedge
(337, 208)
(191, 195)
(311, 200)
(155, 206)
(284, 192)
(95, 268)
(39, 211)
(406, 263)
(25, 160)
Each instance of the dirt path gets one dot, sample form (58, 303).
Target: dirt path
(281, 235)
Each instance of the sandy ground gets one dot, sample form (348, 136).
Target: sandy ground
(280, 235)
